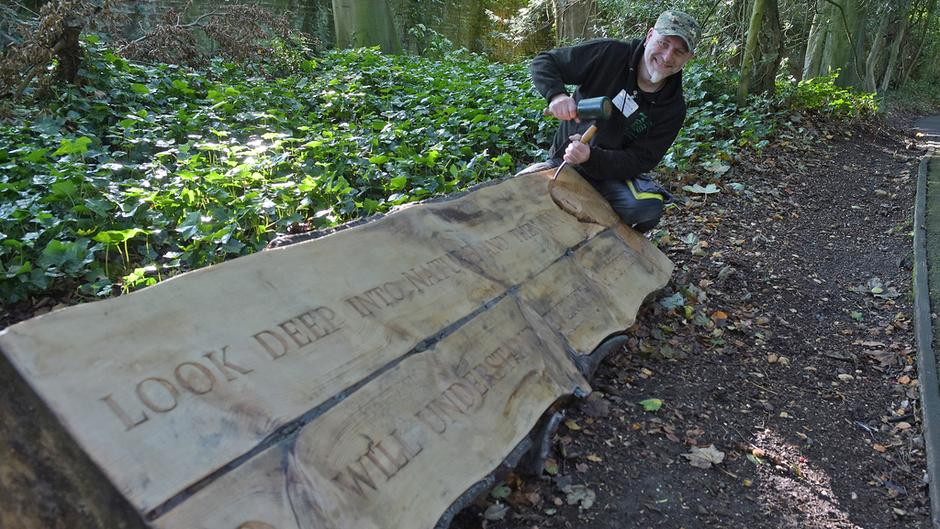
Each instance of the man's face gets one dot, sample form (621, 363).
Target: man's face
(664, 55)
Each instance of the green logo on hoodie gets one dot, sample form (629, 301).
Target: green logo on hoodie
(639, 126)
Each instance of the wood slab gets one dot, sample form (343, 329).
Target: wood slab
(399, 451)
(227, 374)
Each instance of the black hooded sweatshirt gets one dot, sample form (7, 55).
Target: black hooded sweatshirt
(623, 147)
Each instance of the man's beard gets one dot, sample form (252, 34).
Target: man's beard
(656, 76)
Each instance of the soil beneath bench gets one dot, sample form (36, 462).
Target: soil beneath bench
(791, 360)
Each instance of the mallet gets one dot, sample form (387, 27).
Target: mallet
(592, 108)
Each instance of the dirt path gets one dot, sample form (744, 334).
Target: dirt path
(792, 356)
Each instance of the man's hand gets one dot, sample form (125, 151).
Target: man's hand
(563, 107)
(577, 152)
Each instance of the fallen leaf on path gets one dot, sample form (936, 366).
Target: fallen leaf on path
(704, 457)
(501, 491)
(754, 459)
(674, 301)
(551, 467)
(698, 189)
(884, 358)
(651, 404)
(580, 494)
(496, 512)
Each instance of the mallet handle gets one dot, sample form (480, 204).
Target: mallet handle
(588, 134)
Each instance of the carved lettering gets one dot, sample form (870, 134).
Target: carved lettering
(122, 415)
(290, 329)
(410, 451)
(352, 479)
(444, 406)
(458, 394)
(524, 231)
(198, 385)
(444, 266)
(388, 455)
(301, 331)
(365, 306)
(379, 293)
(433, 420)
(466, 254)
(321, 321)
(417, 280)
(495, 361)
(395, 290)
(272, 343)
(477, 382)
(496, 245)
(153, 400)
(224, 366)
(388, 464)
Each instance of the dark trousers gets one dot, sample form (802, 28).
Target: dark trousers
(638, 204)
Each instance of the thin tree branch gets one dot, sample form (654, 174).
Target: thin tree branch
(193, 24)
(711, 11)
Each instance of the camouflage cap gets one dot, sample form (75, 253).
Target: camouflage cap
(681, 25)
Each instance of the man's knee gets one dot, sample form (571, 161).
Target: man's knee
(643, 215)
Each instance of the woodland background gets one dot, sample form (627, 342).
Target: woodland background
(142, 139)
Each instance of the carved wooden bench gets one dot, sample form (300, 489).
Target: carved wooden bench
(376, 376)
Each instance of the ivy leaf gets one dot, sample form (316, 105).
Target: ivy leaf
(189, 228)
(398, 183)
(76, 146)
(674, 301)
(117, 236)
(37, 155)
(698, 189)
(717, 167)
(651, 404)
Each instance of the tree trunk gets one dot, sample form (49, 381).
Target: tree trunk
(875, 54)
(841, 49)
(762, 52)
(816, 42)
(920, 42)
(836, 42)
(574, 20)
(895, 53)
(365, 23)
(68, 51)
(901, 28)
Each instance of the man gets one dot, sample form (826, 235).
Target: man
(643, 79)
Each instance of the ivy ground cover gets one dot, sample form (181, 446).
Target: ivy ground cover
(145, 171)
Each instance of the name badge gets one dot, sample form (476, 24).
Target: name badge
(625, 103)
